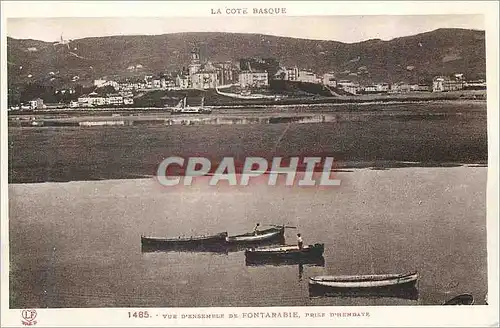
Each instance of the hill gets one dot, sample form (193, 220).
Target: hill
(415, 58)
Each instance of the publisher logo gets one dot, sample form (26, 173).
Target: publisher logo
(28, 317)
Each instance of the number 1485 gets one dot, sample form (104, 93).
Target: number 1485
(138, 314)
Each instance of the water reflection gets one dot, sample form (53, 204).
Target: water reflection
(300, 262)
(409, 293)
(315, 261)
(178, 120)
(183, 248)
(220, 248)
(221, 120)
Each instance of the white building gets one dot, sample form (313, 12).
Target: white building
(253, 79)
(182, 81)
(376, 88)
(99, 83)
(288, 74)
(370, 89)
(114, 100)
(329, 80)
(348, 86)
(195, 64)
(400, 87)
(477, 84)
(91, 100)
(104, 83)
(307, 76)
(204, 80)
(167, 83)
(292, 74)
(36, 103)
(444, 83)
(419, 87)
(383, 87)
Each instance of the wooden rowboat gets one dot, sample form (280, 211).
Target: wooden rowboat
(219, 238)
(366, 281)
(218, 243)
(260, 236)
(462, 299)
(286, 251)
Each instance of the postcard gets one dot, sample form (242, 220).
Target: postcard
(249, 164)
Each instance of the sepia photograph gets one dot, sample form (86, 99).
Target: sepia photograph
(247, 158)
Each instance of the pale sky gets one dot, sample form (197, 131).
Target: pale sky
(339, 28)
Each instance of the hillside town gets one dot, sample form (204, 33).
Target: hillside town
(248, 78)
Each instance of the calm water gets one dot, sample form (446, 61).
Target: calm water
(429, 134)
(82, 247)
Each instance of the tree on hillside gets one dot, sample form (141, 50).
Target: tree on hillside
(32, 91)
(105, 90)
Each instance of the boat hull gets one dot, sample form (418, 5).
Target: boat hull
(463, 299)
(191, 241)
(182, 108)
(220, 243)
(285, 252)
(366, 281)
(261, 236)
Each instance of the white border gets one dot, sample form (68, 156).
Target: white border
(379, 316)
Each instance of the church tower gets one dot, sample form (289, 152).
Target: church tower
(195, 64)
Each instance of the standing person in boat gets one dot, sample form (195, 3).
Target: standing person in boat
(300, 242)
(256, 229)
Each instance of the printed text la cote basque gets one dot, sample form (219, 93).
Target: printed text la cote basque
(246, 11)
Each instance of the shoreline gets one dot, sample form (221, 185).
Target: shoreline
(288, 102)
(378, 137)
(342, 169)
(305, 113)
